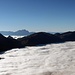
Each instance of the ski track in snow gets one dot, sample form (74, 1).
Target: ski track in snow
(51, 59)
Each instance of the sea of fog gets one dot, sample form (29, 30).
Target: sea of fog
(51, 59)
(14, 36)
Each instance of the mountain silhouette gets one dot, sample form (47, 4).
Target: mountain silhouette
(7, 43)
(18, 33)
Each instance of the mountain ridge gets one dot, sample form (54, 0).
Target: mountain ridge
(22, 32)
(7, 43)
(18, 33)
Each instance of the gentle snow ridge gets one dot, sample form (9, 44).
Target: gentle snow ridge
(52, 59)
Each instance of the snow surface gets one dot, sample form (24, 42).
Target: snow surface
(52, 59)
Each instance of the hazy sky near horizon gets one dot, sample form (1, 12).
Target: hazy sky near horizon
(37, 15)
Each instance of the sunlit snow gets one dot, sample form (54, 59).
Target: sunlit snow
(52, 59)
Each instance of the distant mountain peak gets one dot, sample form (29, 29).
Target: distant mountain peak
(19, 32)
(23, 30)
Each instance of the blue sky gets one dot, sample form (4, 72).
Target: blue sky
(37, 15)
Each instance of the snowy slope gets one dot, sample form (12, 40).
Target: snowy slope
(52, 59)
